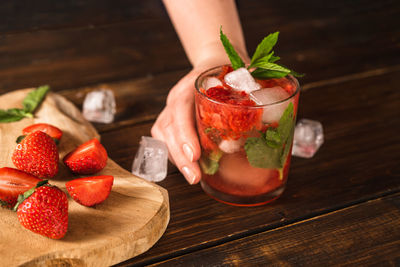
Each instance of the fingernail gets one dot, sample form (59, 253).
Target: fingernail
(188, 152)
(191, 177)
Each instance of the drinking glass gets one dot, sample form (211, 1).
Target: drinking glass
(246, 150)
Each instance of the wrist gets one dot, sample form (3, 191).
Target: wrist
(213, 54)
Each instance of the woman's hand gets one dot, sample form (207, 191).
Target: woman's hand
(198, 24)
(176, 127)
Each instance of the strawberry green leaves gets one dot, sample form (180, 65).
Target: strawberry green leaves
(271, 149)
(262, 63)
(235, 59)
(30, 103)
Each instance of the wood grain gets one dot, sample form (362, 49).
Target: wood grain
(128, 223)
(138, 100)
(357, 162)
(82, 45)
(364, 235)
(25, 16)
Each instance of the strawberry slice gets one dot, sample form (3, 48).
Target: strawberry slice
(12, 183)
(90, 191)
(51, 130)
(88, 158)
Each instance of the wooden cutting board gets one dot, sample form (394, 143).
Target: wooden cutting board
(127, 224)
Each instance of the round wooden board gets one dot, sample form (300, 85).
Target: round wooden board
(127, 224)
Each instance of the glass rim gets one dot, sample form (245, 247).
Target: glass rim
(196, 85)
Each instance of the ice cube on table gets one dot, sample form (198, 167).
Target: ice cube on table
(308, 137)
(151, 160)
(265, 96)
(241, 80)
(210, 82)
(99, 106)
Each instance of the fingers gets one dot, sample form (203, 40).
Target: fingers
(176, 127)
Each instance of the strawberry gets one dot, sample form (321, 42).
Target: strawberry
(88, 158)
(232, 119)
(12, 183)
(44, 210)
(90, 191)
(51, 130)
(37, 154)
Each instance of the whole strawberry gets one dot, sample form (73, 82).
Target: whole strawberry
(44, 210)
(37, 154)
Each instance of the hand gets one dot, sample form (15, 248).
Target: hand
(176, 127)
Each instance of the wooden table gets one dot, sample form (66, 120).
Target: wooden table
(342, 207)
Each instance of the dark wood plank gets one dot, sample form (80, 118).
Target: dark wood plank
(74, 57)
(25, 15)
(362, 235)
(319, 39)
(326, 39)
(138, 100)
(123, 144)
(358, 161)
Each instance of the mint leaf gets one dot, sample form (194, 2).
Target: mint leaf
(267, 74)
(209, 163)
(236, 61)
(287, 147)
(34, 98)
(286, 123)
(6, 116)
(273, 138)
(30, 103)
(264, 47)
(264, 64)
(296, 74)
(260, 155)
(271, 149)
(208, 166)
(273, 58)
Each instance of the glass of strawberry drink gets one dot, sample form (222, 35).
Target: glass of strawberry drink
(245, 135)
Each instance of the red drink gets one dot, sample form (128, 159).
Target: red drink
(246, 137)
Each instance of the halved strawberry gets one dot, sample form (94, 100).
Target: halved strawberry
(90, 191)
(12, 183)
(88, 158)
(51, 130)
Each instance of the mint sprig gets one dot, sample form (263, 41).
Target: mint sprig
(262, 63)
(271, 149)
(235, 59)
(30, 103)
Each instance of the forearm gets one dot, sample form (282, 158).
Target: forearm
(197, 23)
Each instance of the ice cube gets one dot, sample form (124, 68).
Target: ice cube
(271, 95)
(151, 160)
(308, 137)
(99, 106)
(210, 82)
(231, 146)
(236, 170)
(241, 80)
